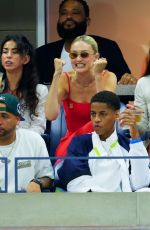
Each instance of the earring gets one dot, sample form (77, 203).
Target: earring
(2, 83)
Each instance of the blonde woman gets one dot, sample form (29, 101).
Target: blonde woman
(74, 89)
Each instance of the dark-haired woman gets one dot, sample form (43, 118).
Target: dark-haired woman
(20, 78)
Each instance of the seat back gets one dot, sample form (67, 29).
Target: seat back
(46, 135)
(57, 131)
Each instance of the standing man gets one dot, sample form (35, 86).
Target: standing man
(33, 175)
(74, 18)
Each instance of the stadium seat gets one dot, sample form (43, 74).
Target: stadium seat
(57, 131)
(46, 136)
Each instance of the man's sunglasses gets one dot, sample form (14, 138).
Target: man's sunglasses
(82, 54)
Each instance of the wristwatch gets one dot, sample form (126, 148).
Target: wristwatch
(38, 181)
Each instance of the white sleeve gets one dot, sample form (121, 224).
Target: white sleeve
(38, 123)
(43, 167)
(80, 184)
(140, 101)
(84, 183)
(140, 173)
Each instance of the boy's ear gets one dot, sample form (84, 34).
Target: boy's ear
(117, 114)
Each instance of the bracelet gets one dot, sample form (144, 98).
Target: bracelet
(133, 141)
(37, 181)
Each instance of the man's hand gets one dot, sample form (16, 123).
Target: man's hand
(127, 79)
(33, 187)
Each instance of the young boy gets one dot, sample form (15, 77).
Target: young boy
(105, 172)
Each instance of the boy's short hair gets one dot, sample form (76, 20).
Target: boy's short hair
(108, 97)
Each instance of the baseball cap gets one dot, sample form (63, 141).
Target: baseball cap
(12, 104)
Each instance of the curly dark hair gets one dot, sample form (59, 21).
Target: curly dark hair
(107, 97)
(27, 86)
(83, 3)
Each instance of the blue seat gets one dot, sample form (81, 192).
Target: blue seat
(57, 131)
(46, 135)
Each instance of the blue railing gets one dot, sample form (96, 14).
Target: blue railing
(5, 161)
(16, 169)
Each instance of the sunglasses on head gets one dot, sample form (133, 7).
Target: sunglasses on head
(82, 54)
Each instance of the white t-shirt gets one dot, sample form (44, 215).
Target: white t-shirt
(65, 56)
(37, 123)
(27, 144)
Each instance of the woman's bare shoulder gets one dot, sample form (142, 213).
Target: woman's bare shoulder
(108, 73)
(71, 76)
(64, 82)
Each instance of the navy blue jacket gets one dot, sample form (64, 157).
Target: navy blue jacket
(80, 146)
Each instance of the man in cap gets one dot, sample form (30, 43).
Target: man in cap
(33, 175)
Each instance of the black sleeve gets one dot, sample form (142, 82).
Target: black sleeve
(110, 50)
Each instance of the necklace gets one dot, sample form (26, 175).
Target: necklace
(85, 84)
(8, 149)
(82, 84)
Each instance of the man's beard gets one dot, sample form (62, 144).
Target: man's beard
(70, 34)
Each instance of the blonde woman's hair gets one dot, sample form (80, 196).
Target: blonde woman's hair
(89, 40)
